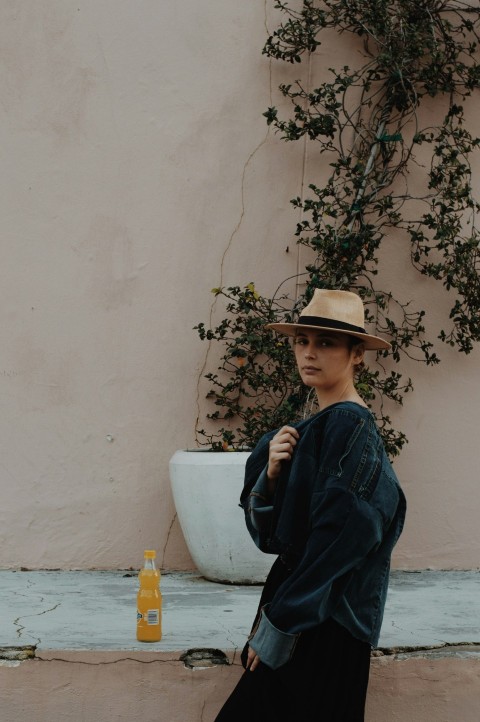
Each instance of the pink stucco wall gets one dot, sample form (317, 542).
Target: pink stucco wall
(138, 174)
(74, 686)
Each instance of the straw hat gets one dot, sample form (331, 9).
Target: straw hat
(339, 311)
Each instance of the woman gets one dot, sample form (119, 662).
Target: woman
(322, 495)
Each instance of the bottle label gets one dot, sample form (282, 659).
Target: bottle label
(153, 616)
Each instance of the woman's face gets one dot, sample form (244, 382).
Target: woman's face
(325, 360)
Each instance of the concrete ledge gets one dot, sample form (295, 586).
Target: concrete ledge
(69, 652)
(97, 610)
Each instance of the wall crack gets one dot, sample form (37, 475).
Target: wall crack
(232, 236)
(21, 627)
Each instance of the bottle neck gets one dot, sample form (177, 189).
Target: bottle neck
(149, 564)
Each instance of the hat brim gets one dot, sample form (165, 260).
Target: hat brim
(372, 343)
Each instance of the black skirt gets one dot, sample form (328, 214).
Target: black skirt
(325, 681)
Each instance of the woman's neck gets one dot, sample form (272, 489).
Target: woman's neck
(348, 394)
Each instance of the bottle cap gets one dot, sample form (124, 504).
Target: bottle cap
(149, 554)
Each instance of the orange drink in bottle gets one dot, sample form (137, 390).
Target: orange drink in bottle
(149, 601)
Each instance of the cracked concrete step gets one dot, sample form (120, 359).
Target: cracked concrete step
(96, 610)
(68, 649)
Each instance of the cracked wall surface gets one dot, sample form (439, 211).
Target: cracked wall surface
(139, 178)
(75, 686)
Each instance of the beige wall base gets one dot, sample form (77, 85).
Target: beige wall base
(126, 686)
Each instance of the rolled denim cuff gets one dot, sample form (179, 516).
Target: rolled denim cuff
(274, 647)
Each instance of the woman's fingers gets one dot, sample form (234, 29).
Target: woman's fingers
(286, 433)
(281, 449)
(284, 441)
(252, 660)
(290, 430)
(255, 663)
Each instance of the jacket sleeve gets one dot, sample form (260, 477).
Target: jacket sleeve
(343, 529)
(260, 506)
(255, 499)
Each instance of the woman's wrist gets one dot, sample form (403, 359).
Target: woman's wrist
(271, 481)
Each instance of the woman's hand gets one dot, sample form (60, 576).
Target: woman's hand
(253, 660)
(281, 449)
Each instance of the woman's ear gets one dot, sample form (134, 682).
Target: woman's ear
(358, 353)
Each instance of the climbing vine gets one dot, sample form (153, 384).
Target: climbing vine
(365, 121)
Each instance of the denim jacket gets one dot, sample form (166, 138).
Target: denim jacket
(335, 516)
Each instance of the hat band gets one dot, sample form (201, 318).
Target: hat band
(330, 323)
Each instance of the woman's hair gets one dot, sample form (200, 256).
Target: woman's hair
(354, 341)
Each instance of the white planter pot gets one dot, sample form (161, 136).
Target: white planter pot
(206, 487)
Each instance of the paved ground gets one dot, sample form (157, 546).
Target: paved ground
(81, 610)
